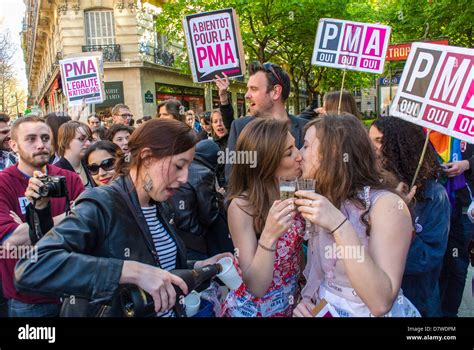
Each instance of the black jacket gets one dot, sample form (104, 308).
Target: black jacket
(463, 195)
(220, 169)
(83, 255)
(195, 204)
(63, 163)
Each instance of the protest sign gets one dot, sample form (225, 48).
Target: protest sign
(214, 44)
(351, 45)
(82, 78)
(436, 90)
(400, 52)
(324, 309)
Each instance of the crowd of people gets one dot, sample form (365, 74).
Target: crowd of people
(126, 205)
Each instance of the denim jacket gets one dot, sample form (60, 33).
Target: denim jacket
(425, 256)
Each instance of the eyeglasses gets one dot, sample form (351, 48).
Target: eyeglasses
(126, 115)
(83, 139)
(269, 68)
(107, 165)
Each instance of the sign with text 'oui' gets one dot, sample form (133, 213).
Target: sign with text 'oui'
(437, 90)
(82, 78)
(214, 44)
(351, 45)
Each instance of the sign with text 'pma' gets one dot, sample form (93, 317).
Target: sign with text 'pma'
(214, 44)
(437, 90)
(351, 45)
(82, 77)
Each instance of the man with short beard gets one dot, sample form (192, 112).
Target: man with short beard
(268, 89)
(7, 158)
(19, 186)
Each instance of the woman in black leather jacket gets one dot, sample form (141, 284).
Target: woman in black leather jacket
(111, 238)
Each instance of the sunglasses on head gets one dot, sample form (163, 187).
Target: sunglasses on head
(269, 68)
(106, 164)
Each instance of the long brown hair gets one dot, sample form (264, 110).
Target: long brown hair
(347, 161)
(164, 137)
(348, 103)
(266, 137)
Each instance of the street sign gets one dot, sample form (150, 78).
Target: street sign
(387, 81)
(399, 52)
(148, 97)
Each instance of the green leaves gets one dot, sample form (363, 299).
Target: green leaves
(283, 31)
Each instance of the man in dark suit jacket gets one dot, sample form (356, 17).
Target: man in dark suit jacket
(268, 89)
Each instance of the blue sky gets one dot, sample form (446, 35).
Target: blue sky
(11, 16)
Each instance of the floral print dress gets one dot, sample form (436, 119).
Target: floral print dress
(280, 298)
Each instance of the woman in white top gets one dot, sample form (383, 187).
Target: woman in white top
(362, 229)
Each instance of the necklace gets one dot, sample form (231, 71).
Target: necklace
(79, 172)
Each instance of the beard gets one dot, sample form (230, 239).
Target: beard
(263, 111)
(35, 160)
(5, 145)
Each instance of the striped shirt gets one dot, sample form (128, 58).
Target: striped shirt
(165, 246)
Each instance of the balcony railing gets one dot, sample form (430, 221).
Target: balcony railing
(111, 52)
(163, 57)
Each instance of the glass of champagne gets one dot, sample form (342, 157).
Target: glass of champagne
(307, 185)
(287, 187)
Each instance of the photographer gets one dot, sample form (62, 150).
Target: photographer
(31, 140)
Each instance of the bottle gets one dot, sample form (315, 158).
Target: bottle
(138, 303)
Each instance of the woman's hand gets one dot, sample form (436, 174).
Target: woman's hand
(319, 210)
(303, 309)
(222, 87)
(320, 110)
(156, 282)
(212, 260)
(404, 191)
(279, 220)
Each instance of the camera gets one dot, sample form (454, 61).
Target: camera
(53, 186)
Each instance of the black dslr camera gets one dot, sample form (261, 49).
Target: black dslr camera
(53, 186)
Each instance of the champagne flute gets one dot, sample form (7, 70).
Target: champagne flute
(287, 187)
(307, 185)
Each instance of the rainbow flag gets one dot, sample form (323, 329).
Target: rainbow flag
(449, 150)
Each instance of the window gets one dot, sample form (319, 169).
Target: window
(99, 27)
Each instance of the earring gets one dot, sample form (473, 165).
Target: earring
(147, 183)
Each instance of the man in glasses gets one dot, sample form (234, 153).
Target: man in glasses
(7, 157)
(268, 89)
(121, 114)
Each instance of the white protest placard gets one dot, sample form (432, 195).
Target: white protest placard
(351, 45)
(82, 78)
(214, 44)
(437, 90)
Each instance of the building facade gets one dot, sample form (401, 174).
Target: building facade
(138, 62)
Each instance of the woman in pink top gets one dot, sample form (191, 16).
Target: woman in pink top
(265, 231)
(362, 229)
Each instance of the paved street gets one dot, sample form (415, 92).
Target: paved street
(467, 306)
